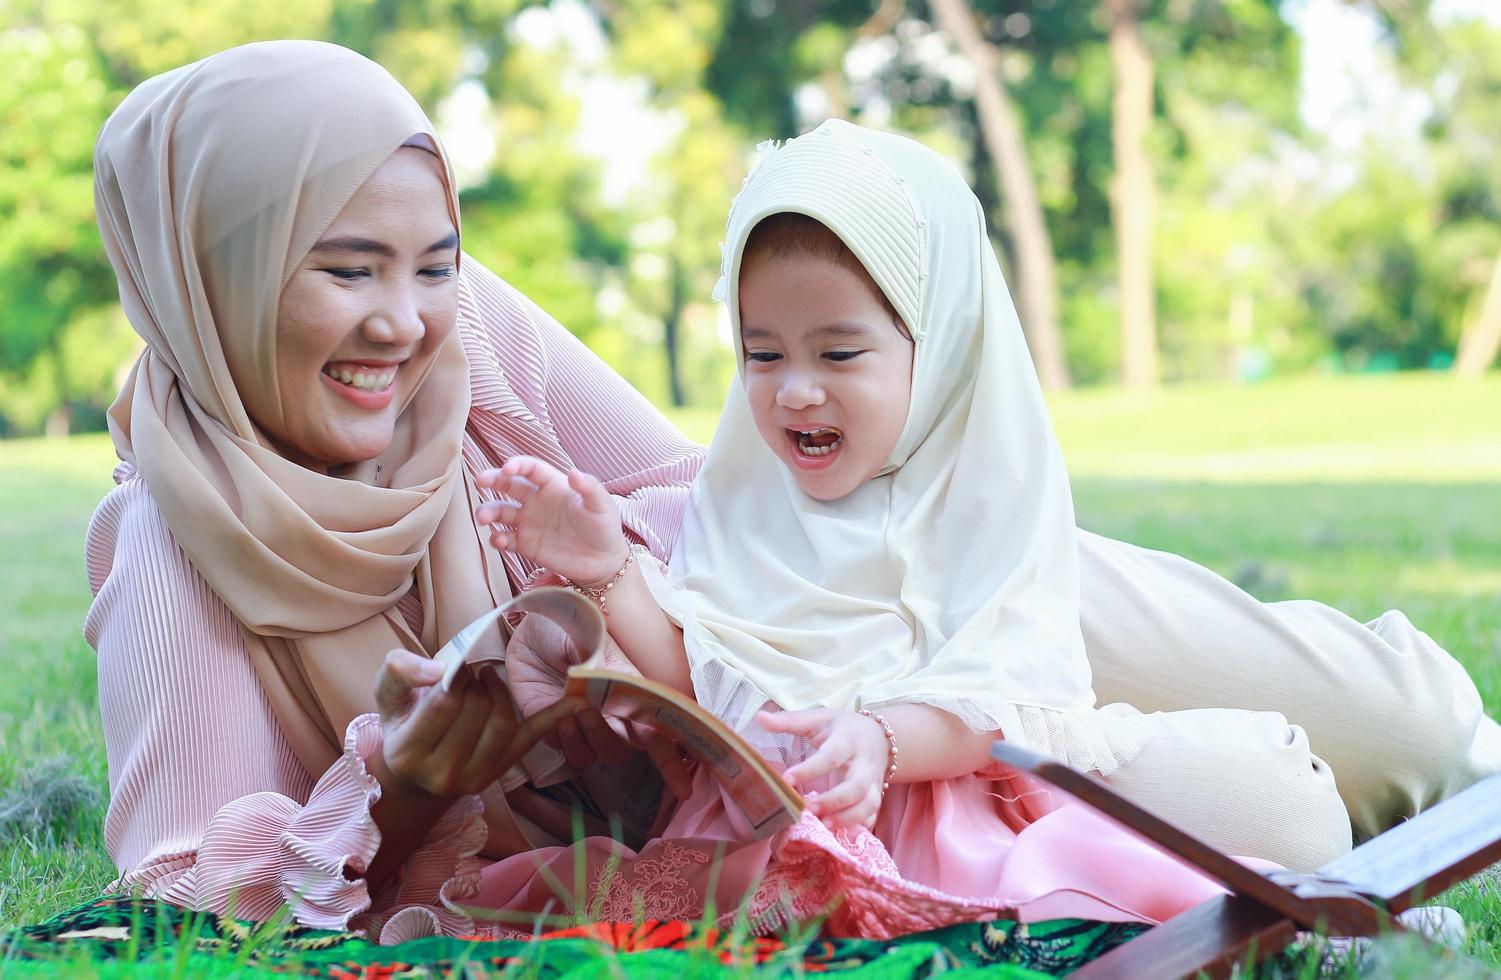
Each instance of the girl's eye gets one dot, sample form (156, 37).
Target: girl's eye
(349, 275)
(843, 355)
(762, 356)
(438, 272)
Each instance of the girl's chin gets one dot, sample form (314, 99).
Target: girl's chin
(824, 486)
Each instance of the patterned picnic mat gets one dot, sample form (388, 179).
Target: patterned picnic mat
(118, 928)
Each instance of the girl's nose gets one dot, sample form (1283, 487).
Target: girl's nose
(798, 392)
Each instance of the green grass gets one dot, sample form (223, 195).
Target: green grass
(1367, 493)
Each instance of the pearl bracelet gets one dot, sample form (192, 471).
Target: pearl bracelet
(890, 744)
(599, 593)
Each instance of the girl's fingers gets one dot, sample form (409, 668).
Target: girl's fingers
(862, 812)
(805, 722)
(595, 497)
(502, 540)
(843, 796)
(830, 757)
(522, 488)
(497, 512)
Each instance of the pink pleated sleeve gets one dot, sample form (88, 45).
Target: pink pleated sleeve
(209, 807)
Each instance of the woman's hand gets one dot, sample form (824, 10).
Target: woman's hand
(849, 745)
(442, 744)
(537, 660)
(568, 523)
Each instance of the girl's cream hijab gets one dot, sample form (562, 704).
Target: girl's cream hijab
(951, 579)
(212, 182)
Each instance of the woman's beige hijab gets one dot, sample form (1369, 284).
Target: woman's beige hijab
(212, 183)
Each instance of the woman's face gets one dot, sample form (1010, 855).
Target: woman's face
(362, 316)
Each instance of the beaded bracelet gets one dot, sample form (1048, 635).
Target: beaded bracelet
(598, 593)
(890, 744)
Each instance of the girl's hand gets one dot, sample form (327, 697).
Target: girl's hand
(848, 744)
(440, 744)
(568, 523)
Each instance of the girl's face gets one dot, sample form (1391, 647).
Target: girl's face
(364, 313)
(828, 374)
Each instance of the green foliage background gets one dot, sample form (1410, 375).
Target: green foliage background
(1274, 253)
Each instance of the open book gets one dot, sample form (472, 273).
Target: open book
(762, 794)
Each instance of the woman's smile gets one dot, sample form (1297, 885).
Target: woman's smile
(368, 384)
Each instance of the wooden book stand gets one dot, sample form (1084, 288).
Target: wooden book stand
(1354, 895)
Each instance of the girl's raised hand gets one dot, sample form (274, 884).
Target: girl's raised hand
(849, 745)
(566, 522)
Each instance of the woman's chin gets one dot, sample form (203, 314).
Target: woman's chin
(345, 448)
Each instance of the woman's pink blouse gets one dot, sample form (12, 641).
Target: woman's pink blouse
(209, 808)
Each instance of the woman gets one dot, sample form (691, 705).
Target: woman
(324, 372)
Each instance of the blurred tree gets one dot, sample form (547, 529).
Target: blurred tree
(1005, 144)
(680, 210)
(52, 277)
(1133, 193)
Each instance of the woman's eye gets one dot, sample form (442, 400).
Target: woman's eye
(348, 275)
(843, 355)
(438, 272)
(762, 356)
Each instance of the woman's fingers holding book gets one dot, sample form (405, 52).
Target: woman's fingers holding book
(677, 772)
(497, 735)
(430, 741)
(576, 748)
(606, 743)
(401, 677)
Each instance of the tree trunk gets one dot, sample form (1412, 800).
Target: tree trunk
(672, 333)
(1133, 195)
(1036, 270)
(1481, 341)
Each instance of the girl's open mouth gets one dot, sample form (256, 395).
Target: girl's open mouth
(368, 386)
(815, 448)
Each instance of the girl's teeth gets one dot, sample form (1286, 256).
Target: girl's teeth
(821, 450)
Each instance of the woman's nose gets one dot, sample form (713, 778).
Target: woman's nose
(398, 321)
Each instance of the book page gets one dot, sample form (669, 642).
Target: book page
(759, 790)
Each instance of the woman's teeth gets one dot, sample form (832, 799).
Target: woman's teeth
(368, 380)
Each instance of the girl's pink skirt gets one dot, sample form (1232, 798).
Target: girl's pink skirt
(959, 850)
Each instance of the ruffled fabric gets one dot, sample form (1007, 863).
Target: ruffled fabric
(263, 851)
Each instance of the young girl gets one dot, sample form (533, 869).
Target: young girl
(879, 559)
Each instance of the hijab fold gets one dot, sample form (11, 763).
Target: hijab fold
(949, 579)
(212, 183)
